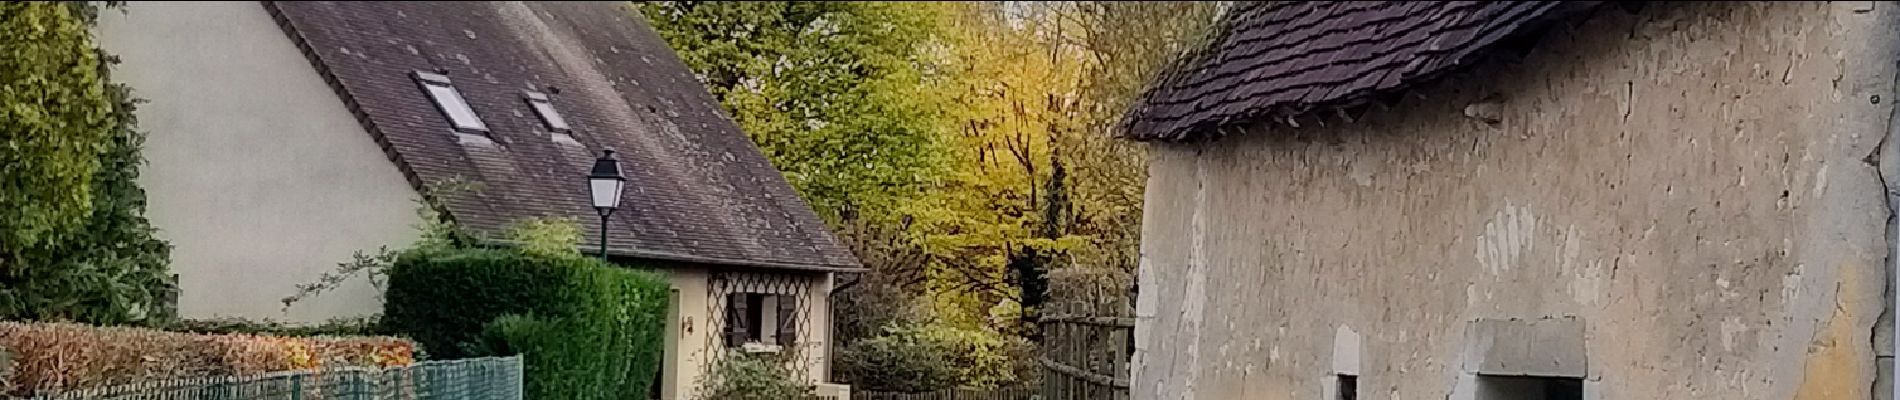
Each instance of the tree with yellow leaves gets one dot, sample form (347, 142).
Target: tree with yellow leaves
(962, 149)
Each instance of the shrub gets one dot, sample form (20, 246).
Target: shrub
(754, 376)
(894, 363)
(587, 330)
(57, 118)
(929, 357)
(876, 301)
(73, 236)
(58, 356)
(359, 326)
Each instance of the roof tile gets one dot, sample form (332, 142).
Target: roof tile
(1282, 59)
(698, 190)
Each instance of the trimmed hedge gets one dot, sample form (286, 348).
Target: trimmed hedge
(587, 330)
(61, 356)
(355, 326)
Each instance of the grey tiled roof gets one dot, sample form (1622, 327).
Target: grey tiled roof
(1278, 59)
(698, 190)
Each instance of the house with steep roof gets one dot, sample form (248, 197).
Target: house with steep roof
(1522, 200)
(285, 136)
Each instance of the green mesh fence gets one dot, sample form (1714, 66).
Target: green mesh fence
(495, 378)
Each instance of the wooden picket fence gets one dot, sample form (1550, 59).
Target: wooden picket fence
(1086, 357)
(1088, 330)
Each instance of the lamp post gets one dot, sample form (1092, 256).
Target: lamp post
(604, 183)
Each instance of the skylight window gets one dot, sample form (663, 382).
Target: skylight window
(545, 109)
(451, 103)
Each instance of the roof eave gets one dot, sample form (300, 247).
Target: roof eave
(754, 264)
(594, 250)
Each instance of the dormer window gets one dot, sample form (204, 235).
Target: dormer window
(545, 109)
(451, 103)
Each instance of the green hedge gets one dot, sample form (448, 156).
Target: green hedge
(358, 326)
(587, 330)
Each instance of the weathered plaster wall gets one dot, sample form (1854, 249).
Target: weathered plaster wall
(256, 173)
(1694, 183)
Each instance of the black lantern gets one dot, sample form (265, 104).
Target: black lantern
(605, 183)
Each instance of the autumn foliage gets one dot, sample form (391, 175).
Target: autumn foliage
(43, 357)
(965, 151)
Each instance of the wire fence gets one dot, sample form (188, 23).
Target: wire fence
(493, 378)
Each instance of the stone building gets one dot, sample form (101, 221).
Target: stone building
(1518, 200)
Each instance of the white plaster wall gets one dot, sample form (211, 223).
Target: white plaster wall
(257, 174)
(1692, 182)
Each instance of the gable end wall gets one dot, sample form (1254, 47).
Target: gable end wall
(1693, 183)
(256, 172)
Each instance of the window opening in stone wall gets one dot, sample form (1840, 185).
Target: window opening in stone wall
(544, 108)
(1492, 387)
(1348, 387)
(450, 102)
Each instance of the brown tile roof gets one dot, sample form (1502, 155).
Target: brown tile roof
(698, 190)
(1278, 59)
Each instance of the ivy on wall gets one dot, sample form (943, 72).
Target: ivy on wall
(74, 242)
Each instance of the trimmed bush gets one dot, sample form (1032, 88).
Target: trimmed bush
(586, 329)
(367, 326)
(59, 356)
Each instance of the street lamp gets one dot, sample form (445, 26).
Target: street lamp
(605, 183)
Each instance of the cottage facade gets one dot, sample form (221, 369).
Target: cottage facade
(1398, 200)
(285, 136)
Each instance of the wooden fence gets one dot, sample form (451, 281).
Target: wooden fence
(1015, 393)
(1086, 357)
